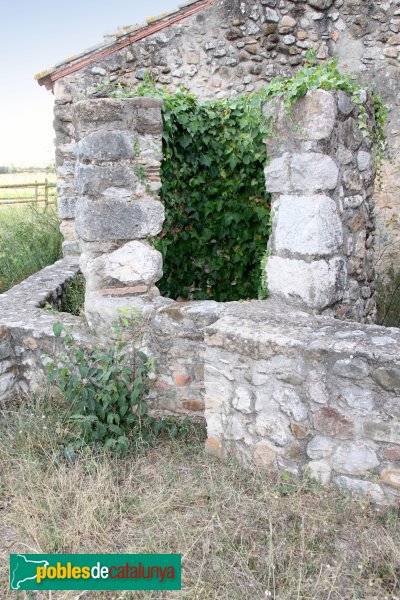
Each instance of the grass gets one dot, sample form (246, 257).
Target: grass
(29, 240)
(73, 299)
(25, 177)
(241, 534)
(388, 298)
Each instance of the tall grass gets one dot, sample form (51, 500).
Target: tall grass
(243, 535)
(388, 298)
(29, 240)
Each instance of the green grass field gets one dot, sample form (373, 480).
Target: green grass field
(29, 240)
(26, 177)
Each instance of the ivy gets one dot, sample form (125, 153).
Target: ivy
(217, 210)
(327, 76)
(218, 222)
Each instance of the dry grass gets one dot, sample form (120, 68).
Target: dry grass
(241, 534)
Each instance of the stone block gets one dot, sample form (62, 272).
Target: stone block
(351, 368)
(71, 248)
(62, 92)
(104, 113)
(320, 4)
(308, 225)
(107, 220)
(242, 400)
(333, 423)
(66, 207)
(272, 427)
(301, 172)
(350, 134)
(345, 105)
(382, 431)
(300, 432)
(312, 172)
(388, 378)
(315, 115)
(105, 146)
(290, 403)
(364, 160)
(391, 477)
(361, 487)
(320, 447)
(134, 264)
(5, 349)
(149, 121)
(265, 455)
(320, 470)
(93, 180)
(354, 459)
(317, 285)
(392, 453)
(361, 401)
(67, 230)
(7, 385)
(5, 366)
(215, 447)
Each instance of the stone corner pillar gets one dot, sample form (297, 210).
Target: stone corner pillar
(65, 165)
(118, 148)
(321, 178)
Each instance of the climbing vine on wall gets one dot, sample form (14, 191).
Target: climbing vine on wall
(217, 210)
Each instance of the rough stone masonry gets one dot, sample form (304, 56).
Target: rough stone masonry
(322, 180)
(218, 48)
(279, 388)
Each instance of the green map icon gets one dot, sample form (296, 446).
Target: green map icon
(23, 569)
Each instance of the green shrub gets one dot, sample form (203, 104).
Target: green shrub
(29, 241)
(217, 210)
(73, 299)
(106, 387)
(388, 298)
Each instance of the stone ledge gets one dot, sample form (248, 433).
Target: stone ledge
(29, 328)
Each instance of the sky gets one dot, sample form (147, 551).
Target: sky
(36, 34)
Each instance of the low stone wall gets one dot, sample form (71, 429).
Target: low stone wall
(280, 389)
(288, 391)
(26, 329)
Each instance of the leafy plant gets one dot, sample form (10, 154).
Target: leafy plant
(217, 210)
(327, 76)
(388, 298)
(73, 298)
(106, 387)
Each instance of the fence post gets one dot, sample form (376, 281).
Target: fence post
(46, 192)
(36, 192)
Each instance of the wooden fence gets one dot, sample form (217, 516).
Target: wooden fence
(29, 193)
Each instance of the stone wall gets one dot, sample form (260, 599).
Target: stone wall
(288, 391)
(26, 329)
(322, 179)
(232, 47)
(281, 389)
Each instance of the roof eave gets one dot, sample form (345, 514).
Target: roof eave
(155, 24)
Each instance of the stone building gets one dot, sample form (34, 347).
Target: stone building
(281, 383)
(219, 48)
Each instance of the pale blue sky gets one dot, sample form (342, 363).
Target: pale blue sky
(36, 34)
